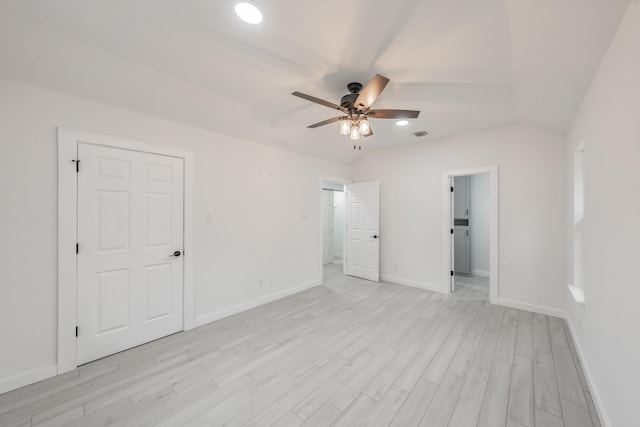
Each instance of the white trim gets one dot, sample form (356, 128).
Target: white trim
(420, 285)
(27, 378)
(481, 273)
(532, 307)
(335, 180)
(189, 292)
(67, 233)
(576, 292)
(494, 254)
(253, 304)
(595, 394)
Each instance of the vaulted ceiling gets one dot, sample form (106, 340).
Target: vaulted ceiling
(466, 64)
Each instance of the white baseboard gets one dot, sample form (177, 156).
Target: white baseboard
(533, 308)
(595, 394)
(481, 273)
(203, 320)
(419, 285)
(27, 378)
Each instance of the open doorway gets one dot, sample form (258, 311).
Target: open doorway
(471, 233)
(332, 228)
(472, 221)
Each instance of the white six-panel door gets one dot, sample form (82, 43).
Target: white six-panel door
(363, 240)
(327, 226)
(130, 224)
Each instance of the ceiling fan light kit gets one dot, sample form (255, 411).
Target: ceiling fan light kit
(355, 132)
(357, 106)
(345, 126)
(364, 125)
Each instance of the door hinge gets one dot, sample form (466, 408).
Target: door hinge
(452, 189)
(76, 331)
(451, 273)
(452, 231)
(77, 162)
(77, 248)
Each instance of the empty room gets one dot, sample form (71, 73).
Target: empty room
(286, 213)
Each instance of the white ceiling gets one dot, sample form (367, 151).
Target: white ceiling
(466, 64)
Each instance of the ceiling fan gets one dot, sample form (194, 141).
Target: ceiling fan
(356, 105)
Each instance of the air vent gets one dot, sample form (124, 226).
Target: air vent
(421, 133)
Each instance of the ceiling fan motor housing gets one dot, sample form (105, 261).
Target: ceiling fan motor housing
(349, 100)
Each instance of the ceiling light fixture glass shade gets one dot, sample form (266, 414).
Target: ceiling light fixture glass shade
(355, 132)
(402, 122)
(345, 127)
(248, 12)
(364, 126)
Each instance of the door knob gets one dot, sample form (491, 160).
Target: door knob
(176, 254)
(375, 236)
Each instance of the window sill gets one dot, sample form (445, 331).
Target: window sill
(577, 293)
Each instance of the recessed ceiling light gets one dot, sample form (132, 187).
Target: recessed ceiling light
(402, 122)
(249, 13)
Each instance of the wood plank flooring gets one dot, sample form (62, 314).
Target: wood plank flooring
(348, 353)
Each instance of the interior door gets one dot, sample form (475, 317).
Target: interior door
(130, 234)
(327, 227)
(363, 240)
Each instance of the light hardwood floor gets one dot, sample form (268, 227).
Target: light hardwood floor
(348, 353)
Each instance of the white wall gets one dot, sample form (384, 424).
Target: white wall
(263, 204)
(606, 327)
(338, 223)
(531, 165)
(480, 224)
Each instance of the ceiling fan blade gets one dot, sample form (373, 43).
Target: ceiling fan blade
(326, 122)
(393, 114)
(319, 101)
(371, 91)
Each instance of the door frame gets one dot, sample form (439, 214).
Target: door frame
(335, 180)
(68, 140)
(447, 245)
(325, 193)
